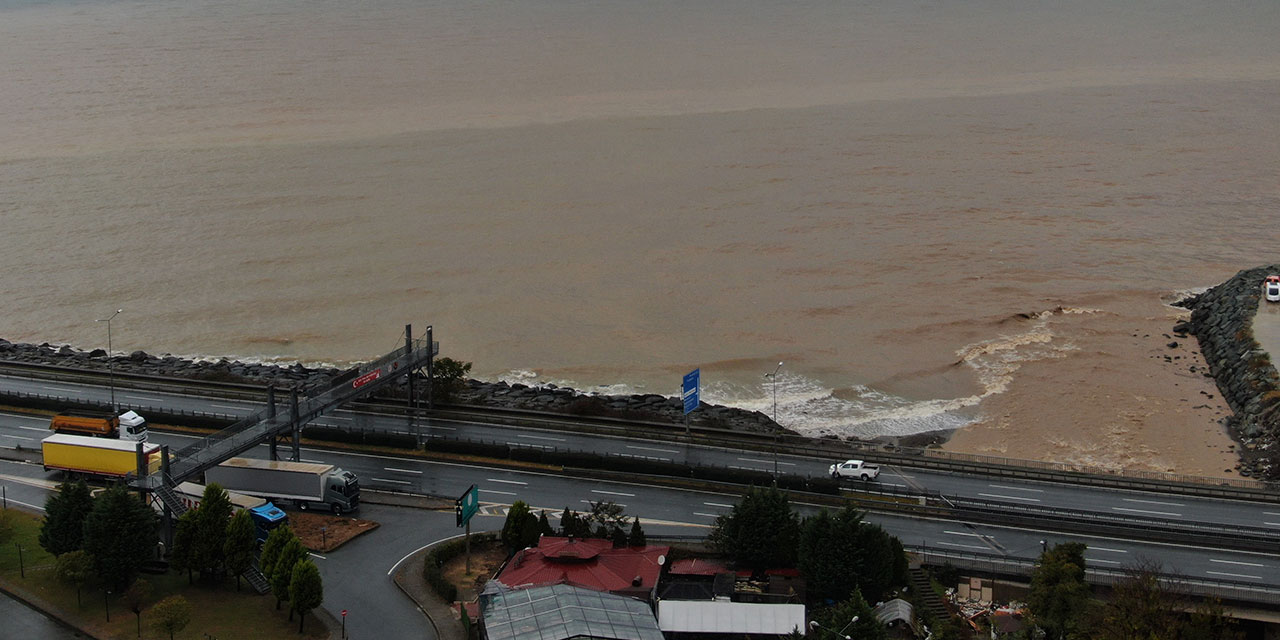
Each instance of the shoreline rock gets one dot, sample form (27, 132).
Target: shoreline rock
(1222, 322)
(550, 398)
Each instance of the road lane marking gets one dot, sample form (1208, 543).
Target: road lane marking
(224, 406)
(340, 418)
(706, 515)
(1270, 513)
(141, 398)
(61, 389)
(651, 449)
(501, 493)
(527, 444)
(403, 470)
(614, 493)
(33, 506)
(1106, 549)
(717, 504)
(505, 481)
(1233, 575)
(965, 546)
(5, 435)
(540, 438)
(766, 461)
(1001, 486)
(1154, 513)
(1102, 561)
(316, 555)
(1272, 524)
(964, 533)
(391, 481)
(996, 495)
(592, 502)
(1247, 564)
(1167, 504)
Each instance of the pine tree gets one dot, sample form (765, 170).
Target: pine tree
(120, 534)
(238, 548)
(276, 541)
(184, 535)
(544, 525)
(211, 530)
(636, 539)
(282, 571)
(64, 514)
(306, 590)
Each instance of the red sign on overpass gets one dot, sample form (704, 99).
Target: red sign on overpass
(366, 378)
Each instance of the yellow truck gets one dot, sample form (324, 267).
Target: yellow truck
(100, 457)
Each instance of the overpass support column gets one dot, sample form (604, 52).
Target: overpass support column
(294, 420)
(271, 414)
(413, 399)
(431, 358)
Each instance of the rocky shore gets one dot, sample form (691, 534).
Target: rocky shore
(1222, 322)
(550, 398)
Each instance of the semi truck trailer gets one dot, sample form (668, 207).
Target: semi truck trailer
(265, 515)
(97, 457)
(306, 484)
(126, 426)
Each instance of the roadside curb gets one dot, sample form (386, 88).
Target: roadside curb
(409, 580)
(36, 605)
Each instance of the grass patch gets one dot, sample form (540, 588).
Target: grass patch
(216, 608)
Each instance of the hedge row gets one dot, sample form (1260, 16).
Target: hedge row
(436, 558)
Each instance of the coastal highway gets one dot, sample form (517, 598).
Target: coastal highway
(1017, 494)
(660, 509)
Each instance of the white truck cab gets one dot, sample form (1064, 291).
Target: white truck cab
(855, 469)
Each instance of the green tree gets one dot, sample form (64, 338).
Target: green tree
(1143, 606)
(606, 514)
(306, 590)
(544, 525)
(838, 621)
(619, 538)
(447, 377)
(135, 597)
(74, 567)
(211, 531)
(172, 615)
(120, 534)
(64, 514)
(239, 545)
(6, 527)
(636, 538)
(181, 556)
(282, 571)
(521, 528)
(275, 542)
(760, 532)
(1059, 598)
(839, 553)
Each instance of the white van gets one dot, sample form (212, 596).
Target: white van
(1271, 288)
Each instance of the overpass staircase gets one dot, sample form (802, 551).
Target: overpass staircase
(164, 491)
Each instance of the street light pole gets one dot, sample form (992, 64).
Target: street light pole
(111, 370)
(774, 377)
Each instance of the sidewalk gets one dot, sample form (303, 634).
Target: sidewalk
(443, 617)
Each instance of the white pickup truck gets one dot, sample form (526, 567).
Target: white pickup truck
(855, 469)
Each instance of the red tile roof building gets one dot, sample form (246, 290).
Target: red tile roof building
(592, 563)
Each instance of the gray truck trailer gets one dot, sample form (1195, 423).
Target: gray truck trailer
(307, 485)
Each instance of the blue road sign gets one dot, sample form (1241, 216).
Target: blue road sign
(467, 504)
(689, 390)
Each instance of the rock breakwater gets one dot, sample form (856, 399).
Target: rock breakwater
(549, 398)
(1222, 322)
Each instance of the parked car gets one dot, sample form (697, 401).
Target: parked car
(1271, 288)
(855, 469)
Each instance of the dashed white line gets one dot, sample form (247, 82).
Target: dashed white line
(996, 495)
(1154, 513)
(1099, 560)
(651, 449)
(1247, 564)
(34, 428)
(706, 515)
(5, 435)
(1107, 549)
(141, 398)
(766, 461)
(226, 406)
(505, 481)
(1001, 486)
(1272, 524)
(1167, 504)
(964, 533)
(717, 504)
(965, 546)
(61, 389)
(540, 438)
(341, 418)
(391, 481)
(526, 444)
(403, 470)
(1233, 575)
(590, 502)
(501, 493)
(614, 493)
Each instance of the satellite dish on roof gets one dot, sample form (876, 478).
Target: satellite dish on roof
(662, 560)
